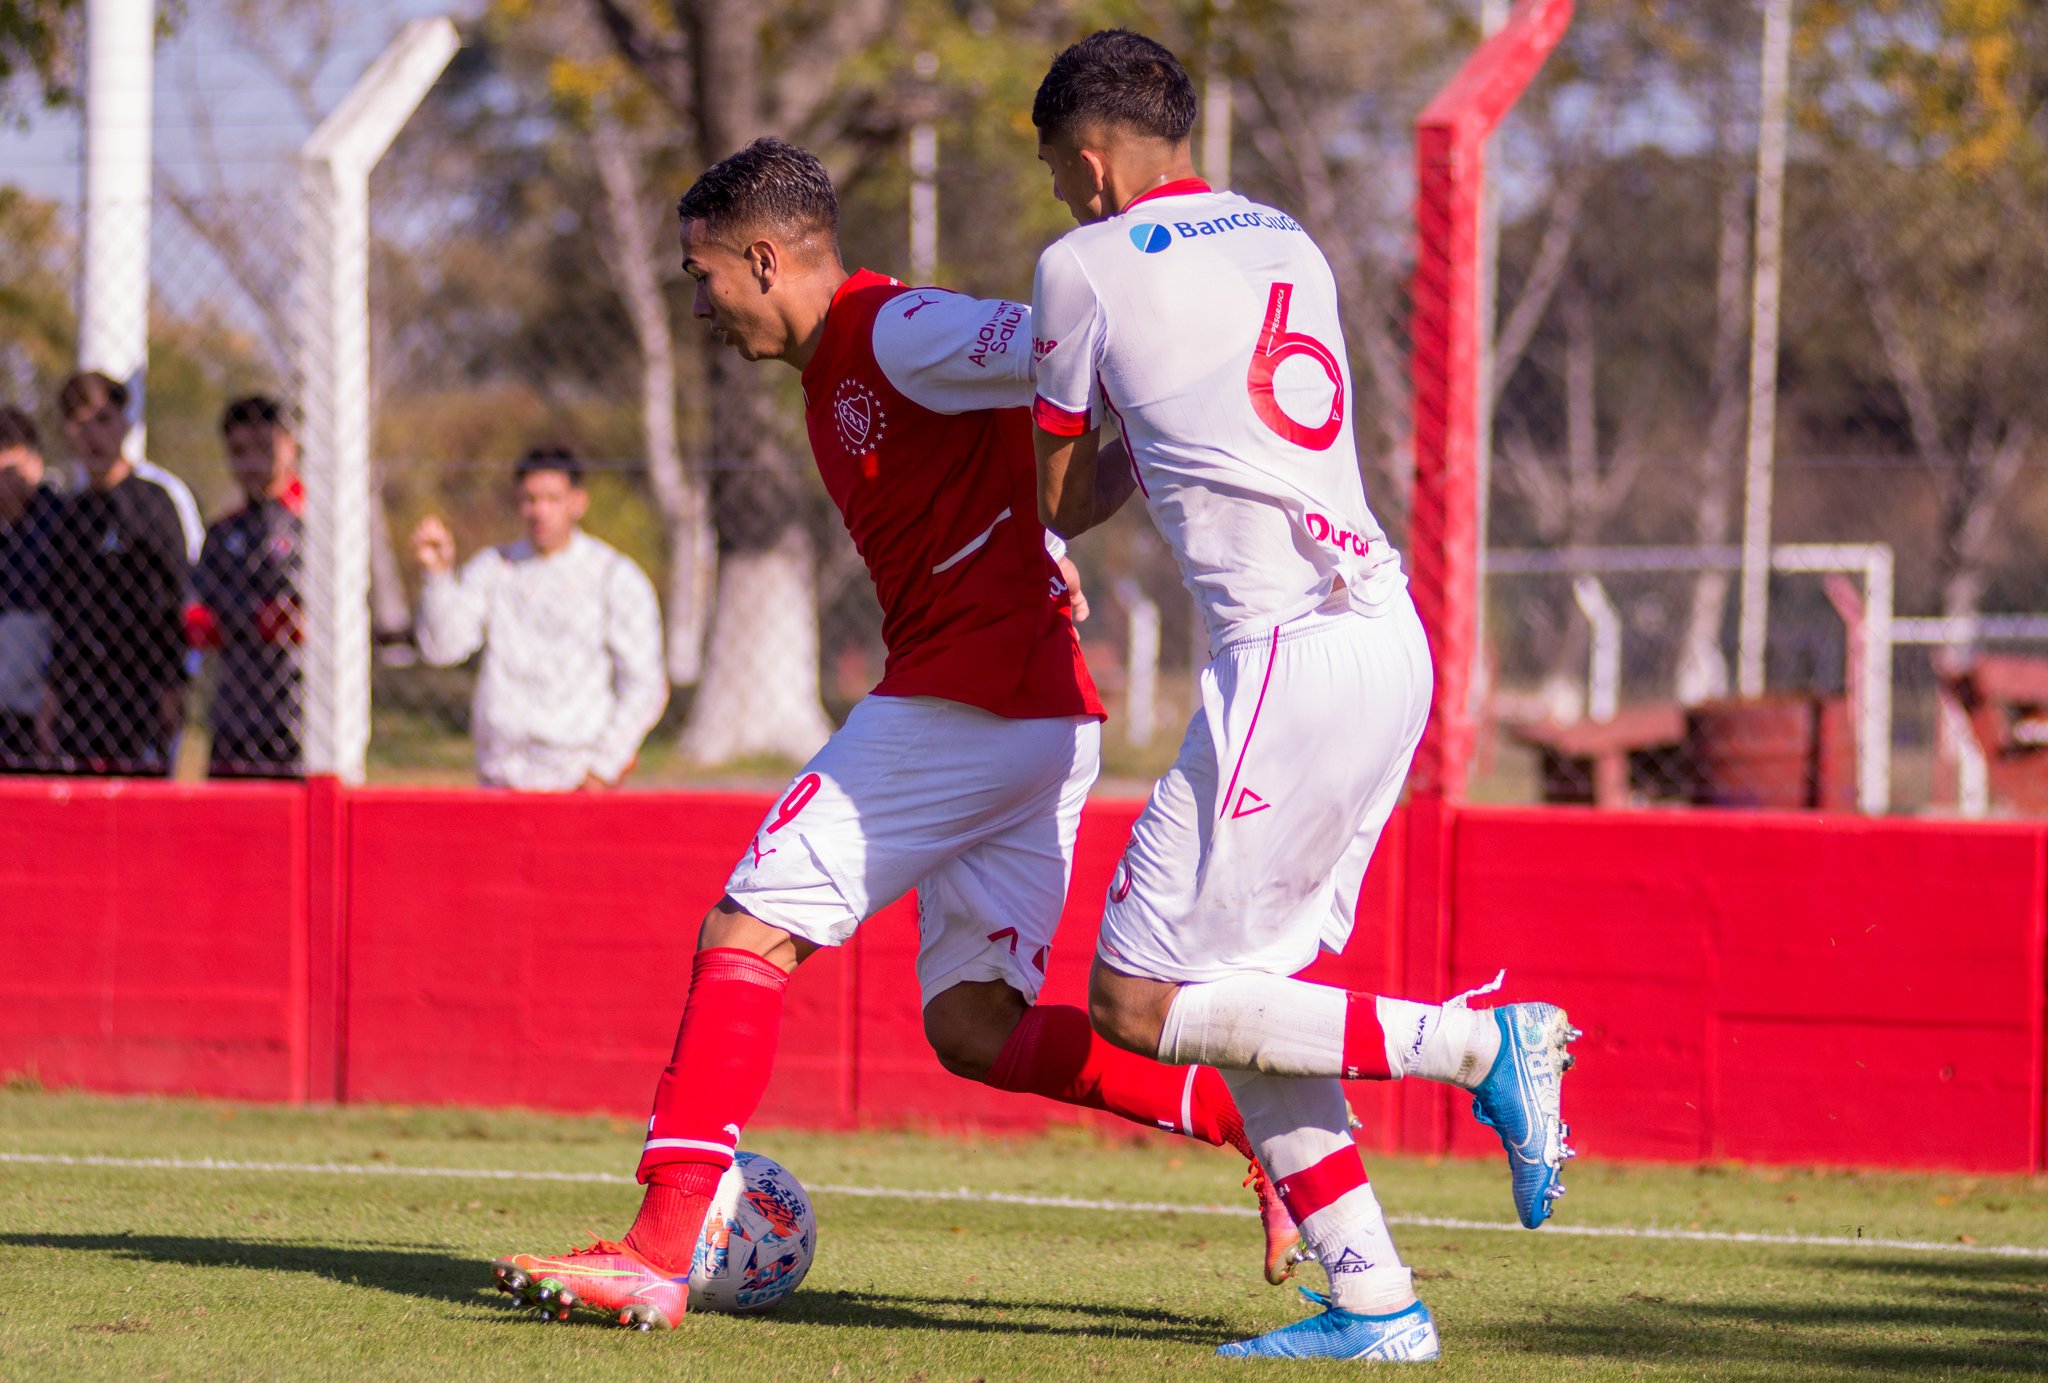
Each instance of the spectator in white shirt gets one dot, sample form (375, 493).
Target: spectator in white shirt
(572, 677)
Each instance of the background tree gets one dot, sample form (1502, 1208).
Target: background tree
(38, 47)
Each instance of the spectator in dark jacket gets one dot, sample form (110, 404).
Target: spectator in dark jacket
(115, 598)
(28, 513)
(247, 587)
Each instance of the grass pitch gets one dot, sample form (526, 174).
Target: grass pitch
(136, 1272)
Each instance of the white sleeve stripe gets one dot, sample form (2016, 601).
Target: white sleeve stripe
(698, 1144)
(973, 547)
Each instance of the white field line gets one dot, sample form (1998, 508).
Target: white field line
(964, 1194)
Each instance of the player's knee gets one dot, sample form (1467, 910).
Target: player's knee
(968, 1025)
(1122, 1011)
(728, 926)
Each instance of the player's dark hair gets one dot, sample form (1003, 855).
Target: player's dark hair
(552, 457)
(1115, 77)
(90, 392)
(257, 410)
(769, 185)
(18, 429)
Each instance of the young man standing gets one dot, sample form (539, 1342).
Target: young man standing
(572, 678)
(962, 775)
(116, 597)
(247, 589)
(1207, 326)
(28, 516)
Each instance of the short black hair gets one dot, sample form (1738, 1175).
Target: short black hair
(91, 391)
(18, 429)
(551, 457)
(770, 184)
(257, 410)
(1116, 77)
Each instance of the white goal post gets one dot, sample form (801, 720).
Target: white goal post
(334, 383)
(1870, 680)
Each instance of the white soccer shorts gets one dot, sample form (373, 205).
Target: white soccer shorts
(1252, 849)
(974, 811)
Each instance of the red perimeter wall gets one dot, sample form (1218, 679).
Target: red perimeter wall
(1772, 988)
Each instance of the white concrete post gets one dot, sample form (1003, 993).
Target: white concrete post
(334, 356)
(1217, 99)
(924, 186)
(1141, 663)
(1766, 286)
(113, 308)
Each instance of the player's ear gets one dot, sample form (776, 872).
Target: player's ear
(764, 258)
(1098, 170)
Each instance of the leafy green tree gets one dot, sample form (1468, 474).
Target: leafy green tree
(37, 41)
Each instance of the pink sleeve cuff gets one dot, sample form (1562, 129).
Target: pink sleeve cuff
(1050, 417)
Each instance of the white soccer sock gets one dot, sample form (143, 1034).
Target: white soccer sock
(1294, 1124)
(1446, 1042)
(1351, 1241)
(1265, 1023)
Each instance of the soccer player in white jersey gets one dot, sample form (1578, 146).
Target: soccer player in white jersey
(1206, 325)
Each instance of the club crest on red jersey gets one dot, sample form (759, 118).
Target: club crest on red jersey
(857, 412)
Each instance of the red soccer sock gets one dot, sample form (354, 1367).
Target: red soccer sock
(1055, 1053)
(672, 1214)
(725, 1049)
(1365, 1039)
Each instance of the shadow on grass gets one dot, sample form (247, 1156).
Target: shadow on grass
(412, 1271)
(1901, 1316)
(422, 1272)
(871, 1310)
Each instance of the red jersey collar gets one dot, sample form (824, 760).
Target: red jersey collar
(857, 281)
(294, 498)
(1179, 187)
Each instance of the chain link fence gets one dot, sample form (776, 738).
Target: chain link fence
(523, 294)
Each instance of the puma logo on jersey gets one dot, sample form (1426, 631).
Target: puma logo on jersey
(920, 305)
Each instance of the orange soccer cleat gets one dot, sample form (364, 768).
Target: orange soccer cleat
(607, 1278)
(1284, 1246)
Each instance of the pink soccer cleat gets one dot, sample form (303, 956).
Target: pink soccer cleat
(1284, 1247)
(607, 1278)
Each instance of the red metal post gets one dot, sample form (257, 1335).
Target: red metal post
(1443, 536)
(1450, 158)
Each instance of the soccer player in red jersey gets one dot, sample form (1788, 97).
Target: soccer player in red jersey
(961, 776)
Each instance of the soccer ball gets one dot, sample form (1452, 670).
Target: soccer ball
(758, 1239)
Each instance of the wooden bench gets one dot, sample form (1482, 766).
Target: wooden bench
(1638, 755)
(2005, 698)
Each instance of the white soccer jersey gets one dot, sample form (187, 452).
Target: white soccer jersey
(1207, 325)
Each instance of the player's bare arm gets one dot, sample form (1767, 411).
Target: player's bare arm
(1081, 480)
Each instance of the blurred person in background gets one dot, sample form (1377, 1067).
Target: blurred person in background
(191, 528)
(118, 576)
(28, 514)
(246, 589)
(572, 677)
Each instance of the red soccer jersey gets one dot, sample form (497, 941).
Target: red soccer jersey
(917, 404)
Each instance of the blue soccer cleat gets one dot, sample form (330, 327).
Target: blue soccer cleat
(1520, 1099)
(1405, 1337)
